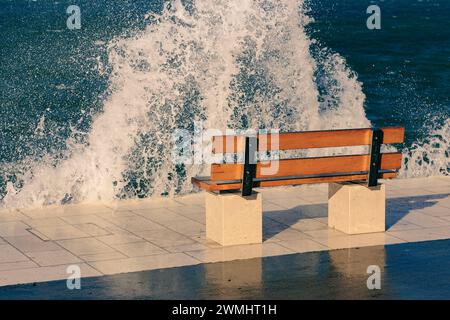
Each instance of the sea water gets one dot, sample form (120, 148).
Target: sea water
(89, 114)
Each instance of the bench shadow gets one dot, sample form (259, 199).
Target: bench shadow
(275, 222)
(398, 208)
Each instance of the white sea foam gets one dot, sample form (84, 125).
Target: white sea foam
(430, 156)
(228, 63)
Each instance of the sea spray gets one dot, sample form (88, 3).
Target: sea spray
(227, 64)
(208, 64)
(429, 156)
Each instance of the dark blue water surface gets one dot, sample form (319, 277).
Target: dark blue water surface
(404, 67)
(47, 70)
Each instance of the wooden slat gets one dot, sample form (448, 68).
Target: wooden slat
(393, 135)
(309, 139)
(308, 166)
(211, 186)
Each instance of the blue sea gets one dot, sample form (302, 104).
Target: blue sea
(88, 114)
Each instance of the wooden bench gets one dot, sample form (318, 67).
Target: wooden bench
(358, 169)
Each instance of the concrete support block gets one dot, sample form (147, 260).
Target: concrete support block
(354, 208)
(232, 219)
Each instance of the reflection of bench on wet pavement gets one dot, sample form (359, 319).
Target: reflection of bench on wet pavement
(356, 200)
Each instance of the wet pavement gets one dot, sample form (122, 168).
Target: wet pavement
(418, 270)
(38, 245)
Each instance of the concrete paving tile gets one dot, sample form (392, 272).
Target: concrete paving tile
(85, 246)
(165, 238)
(17, 265)
(43, 212)
(272, 227)
(414, 192)
(289, 203)
(438, 189)
(424, 220)
(445, 231)
(286, 216)
(66, 210)
(31, 243)
(446, 218)
(315, 210)
(303, 245)
(92, 229)
(103, 256)
(90, 218)
(444, 202)
(158, 215)
(138, 249)
(286, 234)
(185, 226)
(115, 214)
(309, 225)
(323, 220)
(326, 233)
(239, 252)
(135, 223)
(417, 183)
(393, 193)
(321, 199)
(403, 225)
(43, 274)
(418, 235)
(268, 207)
(119, 239)
(436, 211)
(45, 222)
(38, 234)
(186, 247)
(85, 209)
(192, 212)
(199, 217)
(203, 240)
(168, 260)
(359, 240)
(145, 204)
(10, 254)
(305, 209)
(117, 231)
(13, 228)
(61, 232)
(408, 190)
(54, 258)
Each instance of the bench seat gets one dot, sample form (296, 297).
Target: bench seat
(207, 184)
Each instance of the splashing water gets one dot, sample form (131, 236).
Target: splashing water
(228, 63)
(430, 157)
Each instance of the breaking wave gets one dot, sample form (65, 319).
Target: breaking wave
(225, 63)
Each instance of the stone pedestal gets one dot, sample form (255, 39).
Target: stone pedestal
(232, 219)
(354, 208)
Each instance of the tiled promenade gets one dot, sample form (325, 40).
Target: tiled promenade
(419, 270)
(39, 245)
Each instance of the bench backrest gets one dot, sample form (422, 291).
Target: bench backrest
(370, 167)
